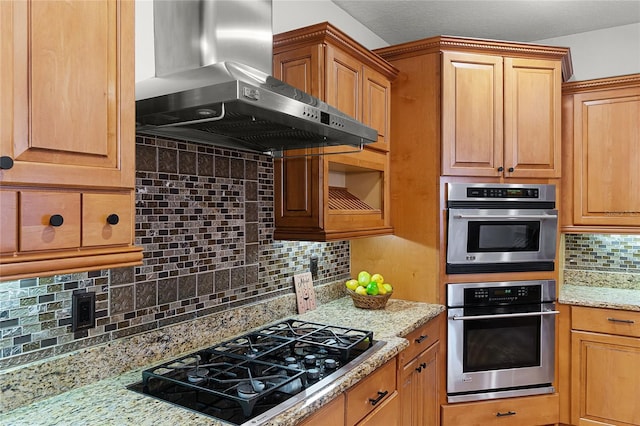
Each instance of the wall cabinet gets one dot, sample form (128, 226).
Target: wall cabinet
(605, 354)
(334, 196)
(436, 131)
(67, 136)
(420, 370)
(500, 116)
(601, 136)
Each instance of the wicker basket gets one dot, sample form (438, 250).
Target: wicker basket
(368, 301)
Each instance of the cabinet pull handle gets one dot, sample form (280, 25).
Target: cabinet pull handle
(56, 220)
(501, 169)
(508, 413)
(422, 338)
(380, 396)
(421, 367)
(113, 219)
(626, 321)
(6, 163)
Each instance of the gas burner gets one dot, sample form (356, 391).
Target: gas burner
(246, 376)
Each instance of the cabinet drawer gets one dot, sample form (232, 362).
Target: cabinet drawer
(8, 221)
(420, 339)
(609, 321)
(530, 410)
(106, 219)
(361, 397)
(387, 413)
(40, 212)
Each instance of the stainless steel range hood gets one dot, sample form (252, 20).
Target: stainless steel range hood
(212, 84)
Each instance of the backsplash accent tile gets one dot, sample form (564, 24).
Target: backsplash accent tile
(204, 216)
(603, 252)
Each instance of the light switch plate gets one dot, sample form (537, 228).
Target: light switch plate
(305, 294)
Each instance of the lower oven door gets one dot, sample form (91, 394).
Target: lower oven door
(500, 355)
(501, 240)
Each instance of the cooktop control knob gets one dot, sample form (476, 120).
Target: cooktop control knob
(310, 360)
(330, 364)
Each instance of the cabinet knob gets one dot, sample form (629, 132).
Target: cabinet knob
(511, 169)
(6, 163)
(501, 169)
(113, 219)
(56, 220)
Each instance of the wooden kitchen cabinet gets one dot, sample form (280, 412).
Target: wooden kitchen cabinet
(420, 370)
(601, 136)
(331, 414)
(605, 354)
(371, 395)
(334, 196)
(424, 125)
(522, 411)
(67, 128)
(500, 116)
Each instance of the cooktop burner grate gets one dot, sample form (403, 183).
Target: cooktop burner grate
(245, 376)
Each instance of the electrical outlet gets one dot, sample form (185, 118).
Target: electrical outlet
(313, 265)
(83, 310)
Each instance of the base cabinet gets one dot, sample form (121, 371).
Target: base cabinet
(419, 373)
(605, 350)
(330, 414)
(525, 411)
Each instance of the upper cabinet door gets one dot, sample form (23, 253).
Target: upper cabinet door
(344, 82)
(472, 131)
(376, 107)
(67, 85)
(532, 141)
(607, 157)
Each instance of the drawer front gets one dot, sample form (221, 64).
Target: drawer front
(609, 321)
(386, 414)
(107, 219)
(370, 393)
(420, 339)
(38, 214)
(8, 221)
(530, 410)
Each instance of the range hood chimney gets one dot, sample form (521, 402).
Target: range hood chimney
(213, 84)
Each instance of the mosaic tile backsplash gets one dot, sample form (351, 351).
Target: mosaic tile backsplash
(204, 216)
(603, 252)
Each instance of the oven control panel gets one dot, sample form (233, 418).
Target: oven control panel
(491, 192)
(498, 295)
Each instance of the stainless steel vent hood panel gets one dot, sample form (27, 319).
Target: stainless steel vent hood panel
(212, 84)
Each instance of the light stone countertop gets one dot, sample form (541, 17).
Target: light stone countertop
(108, 402)
(601, 290)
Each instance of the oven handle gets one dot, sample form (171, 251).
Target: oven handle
(505, 216)
(498, 316)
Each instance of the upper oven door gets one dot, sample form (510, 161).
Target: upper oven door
(500, 240)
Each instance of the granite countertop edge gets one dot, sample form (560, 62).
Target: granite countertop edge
(600, 297)
(108, 402)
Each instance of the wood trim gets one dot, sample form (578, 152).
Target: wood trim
(324, 32)
(476, 45)
(64, 262)
(572, 87)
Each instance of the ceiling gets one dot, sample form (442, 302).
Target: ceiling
(397, 21)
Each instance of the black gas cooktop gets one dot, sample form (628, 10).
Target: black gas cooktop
(254, 377)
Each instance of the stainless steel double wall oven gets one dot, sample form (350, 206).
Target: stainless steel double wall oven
(501, 334)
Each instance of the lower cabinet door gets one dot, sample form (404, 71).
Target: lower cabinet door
(523, 411)
(418, 389)
(605, 384)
